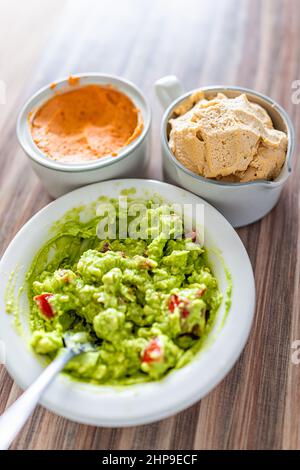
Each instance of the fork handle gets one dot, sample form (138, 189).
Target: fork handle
(14, 418)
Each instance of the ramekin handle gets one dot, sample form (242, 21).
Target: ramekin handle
(168, 89)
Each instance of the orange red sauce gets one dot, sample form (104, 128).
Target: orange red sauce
(84, 124)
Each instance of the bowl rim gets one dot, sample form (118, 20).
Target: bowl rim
(62, 395)
(248, 91)
(35, 154)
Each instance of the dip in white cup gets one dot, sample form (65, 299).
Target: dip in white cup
(59, 177)
(240, 203)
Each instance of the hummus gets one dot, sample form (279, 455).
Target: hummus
(230, 139)
(87, 123)
(146, 304)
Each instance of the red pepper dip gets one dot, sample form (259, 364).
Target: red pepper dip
(84, 124)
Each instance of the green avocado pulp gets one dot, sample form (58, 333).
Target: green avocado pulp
(146, 304)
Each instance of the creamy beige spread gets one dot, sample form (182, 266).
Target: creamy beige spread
(230, 139)
(86, 123)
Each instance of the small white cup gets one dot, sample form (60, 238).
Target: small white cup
(60, 178)
(240, 203)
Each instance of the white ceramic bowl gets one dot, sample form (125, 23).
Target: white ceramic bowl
(240, 203)
(60, 178)
(143, 403)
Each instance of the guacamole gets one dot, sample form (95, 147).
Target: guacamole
(146, 303)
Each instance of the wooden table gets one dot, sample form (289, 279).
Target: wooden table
(252, 43)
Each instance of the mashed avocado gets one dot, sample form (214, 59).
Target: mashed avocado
(145, 303)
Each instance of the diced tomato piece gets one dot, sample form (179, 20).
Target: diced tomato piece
(44, 305)
(184, 312)
(105, 247)
(201, 292)
(173, 302)
(153, 352)
(192, 235)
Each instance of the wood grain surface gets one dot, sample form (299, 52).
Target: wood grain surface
(253, 43)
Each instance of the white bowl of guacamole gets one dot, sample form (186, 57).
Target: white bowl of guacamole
(169, 309)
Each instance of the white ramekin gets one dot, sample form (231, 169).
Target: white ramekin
(240, 203)
(60, 178)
